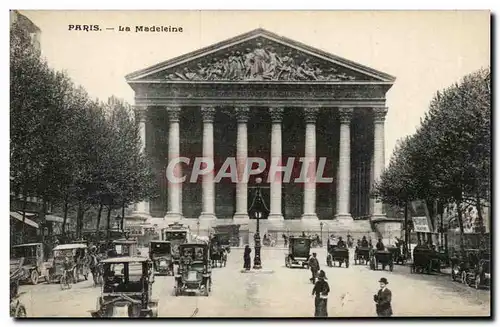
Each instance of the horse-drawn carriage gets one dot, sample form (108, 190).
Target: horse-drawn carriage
(336, 254)
(298, 252)
(127, 289)
(194, 274)
(161, 256)
(473, 269)
(425, 259)
(17, 309)
(361, 255)
(218, 255)
(383, 257)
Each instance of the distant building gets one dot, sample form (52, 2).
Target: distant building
(34, 31)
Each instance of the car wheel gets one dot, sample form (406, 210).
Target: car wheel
(34, 277)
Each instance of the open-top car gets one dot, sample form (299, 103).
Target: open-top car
(33, 266)
(336, 254)
(124, 248)
(298, 252)
(425, 259)
(161, 256)
(474, 264)
(383, 257)
(361, 255)
(194, 274)
(69, 260)
(127, 289)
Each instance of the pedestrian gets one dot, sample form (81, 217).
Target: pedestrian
(383, 299)
(246, 258)
(321, 290)
(314, 266)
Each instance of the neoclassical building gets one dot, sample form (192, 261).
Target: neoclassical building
(263, 95)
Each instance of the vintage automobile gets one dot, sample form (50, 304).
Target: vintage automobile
(336, 254)
(124, 248)
(397, 255)
(361, 255)
(161, 256)
(298, 252)
(17, 309)
(194, 274)
(482, 274)
(466, 268)
(127, 289)
(77, 255)
(34, 265)
(382, 257)
(176, 234)
(425, 259)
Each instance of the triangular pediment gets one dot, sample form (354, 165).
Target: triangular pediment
(259, 56)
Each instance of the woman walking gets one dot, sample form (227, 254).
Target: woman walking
(246, 258)
(321, 290)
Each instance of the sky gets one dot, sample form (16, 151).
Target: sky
(425, 50)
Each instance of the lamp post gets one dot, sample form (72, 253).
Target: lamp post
(257, 264)
(321, 234)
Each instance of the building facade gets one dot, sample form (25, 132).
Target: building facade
(260, 95)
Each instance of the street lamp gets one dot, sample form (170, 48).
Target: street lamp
(321, 234)
(257, 264)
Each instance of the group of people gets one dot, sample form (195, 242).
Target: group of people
(321, 290)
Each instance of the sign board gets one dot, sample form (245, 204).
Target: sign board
(421, 224)
(135, 230)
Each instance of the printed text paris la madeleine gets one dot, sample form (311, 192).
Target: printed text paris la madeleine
(120, 28)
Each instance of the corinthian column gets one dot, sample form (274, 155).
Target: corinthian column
(141, 208)
(309, 164)
(378, 155)
(241, 160)
(208, 188)
(344, 169)
(174, 188)
(275, 178)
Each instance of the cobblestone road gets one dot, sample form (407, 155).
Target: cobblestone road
(283, 293)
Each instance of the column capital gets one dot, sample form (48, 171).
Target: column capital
(379, 114)
(345, 114)
(276, 114)
(174, 113)
(208, 114)
(310, 114)
(140, 113)
(242, 114)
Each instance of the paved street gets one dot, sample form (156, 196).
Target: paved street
(284, 293)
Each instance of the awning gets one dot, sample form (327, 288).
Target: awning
(18, 216)
(55, 219)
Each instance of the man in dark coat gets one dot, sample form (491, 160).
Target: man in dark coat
(314, 266)
(380, 245)
(383, 299)
(364, 242)
(321, 290)
(246, 258)
(341, 244)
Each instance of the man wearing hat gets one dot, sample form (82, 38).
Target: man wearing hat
(321, 290)
(383, 299)
(314, 266)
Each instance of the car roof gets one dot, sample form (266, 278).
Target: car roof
(70, 246)
(125, 259)
(27, 244)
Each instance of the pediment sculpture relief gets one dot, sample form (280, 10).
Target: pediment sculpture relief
(262, 63)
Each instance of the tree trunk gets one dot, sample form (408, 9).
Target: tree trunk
(122, 223)
(79, 221)
(65, 217)
(98, 225)
(23, 230)
(42, 220)
(482, 240)
(108, 223)
(461, 226)
(407, 232)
